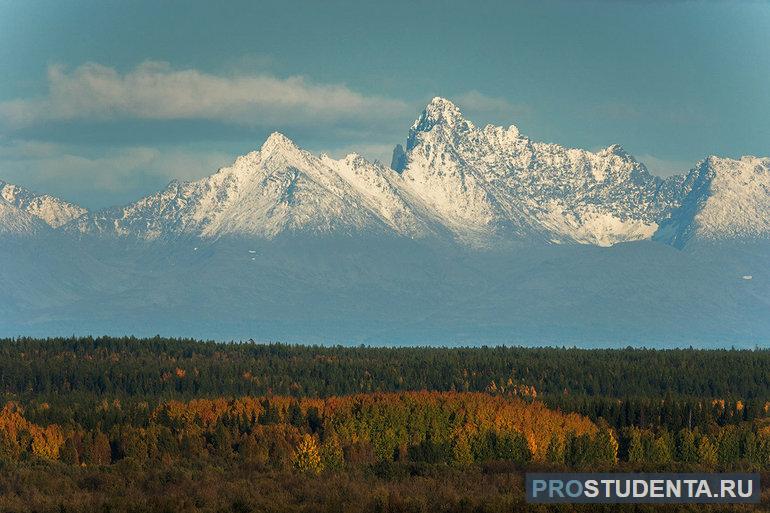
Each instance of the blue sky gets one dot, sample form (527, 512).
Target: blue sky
(102, 102)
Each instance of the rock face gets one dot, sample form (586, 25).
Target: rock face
(726, 199)
(54, 211)
(496, 181)
(398, 162)
(18, 222)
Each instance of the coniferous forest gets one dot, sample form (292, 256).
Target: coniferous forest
(109, 424)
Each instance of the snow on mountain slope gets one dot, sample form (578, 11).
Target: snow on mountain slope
(17, 222)
(383, 191)
(479, 186)
(279, 188)
(727, 199)
(494, 180)
(451, 182)
(54, 211)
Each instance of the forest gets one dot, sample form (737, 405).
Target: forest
(124, 424)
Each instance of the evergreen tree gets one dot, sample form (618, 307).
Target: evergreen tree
(332, 455)
(222, 441)
(69, 452)
(270, 415)
(686, 448)
(97, 449)
(296, 418)
(750, 447)
(605, 447)
(662, 450)
(461, 451)
(555, 451)
(729, 445)
(636, 450)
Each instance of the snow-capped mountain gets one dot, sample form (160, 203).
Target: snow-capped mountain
(15, 221)
(726, 199)
(54, 211)
(472, 235)
(478, 186)
(495, 180)
(278, 189)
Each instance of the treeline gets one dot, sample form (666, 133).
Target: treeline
(149, 367)
(135, 425)
(672, 413)
(456, 428)
(674, 389)
(316, 434)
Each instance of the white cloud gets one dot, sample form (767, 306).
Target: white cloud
(155, 90)
(119, 176)
(18, 150)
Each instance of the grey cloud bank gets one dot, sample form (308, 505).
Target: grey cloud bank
(155, 90)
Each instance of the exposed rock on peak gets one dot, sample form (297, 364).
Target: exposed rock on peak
(398, 161)
(615, 149)
(53, 211)
(439, 110)
(479, 186)
(726, 199)
(16, 222)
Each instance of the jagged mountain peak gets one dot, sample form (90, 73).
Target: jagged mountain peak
(726, 199)
(278, 142)
(617, 150)
(17, 222)
(742, 165)
(358, 160)
(442, 118)
(52, 210)
(440, 110)
(494, 181)
(444, 113)
(277, 153)
(278, 189)
(280, 150)
(477, 185)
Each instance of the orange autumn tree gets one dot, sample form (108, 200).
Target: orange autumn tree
(387, 420)
(388, 423)
(17, 435)
(307, 457)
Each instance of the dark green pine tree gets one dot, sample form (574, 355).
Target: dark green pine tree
(296, 417)
(686, 446)
(69, 452)
(555, 451)
(605, 447)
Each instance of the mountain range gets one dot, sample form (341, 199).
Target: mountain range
(471, 235)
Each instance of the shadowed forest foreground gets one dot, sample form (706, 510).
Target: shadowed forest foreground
(168, 425)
